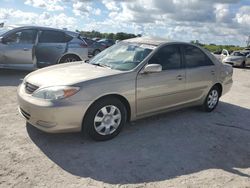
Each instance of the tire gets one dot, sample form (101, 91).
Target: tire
(243, 64)
(96, 52)
(69, 58)
(102, 126)
(212, 99)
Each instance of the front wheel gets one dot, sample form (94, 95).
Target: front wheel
(243, 64)
(212, 99)
(105, 119)
(96, 52)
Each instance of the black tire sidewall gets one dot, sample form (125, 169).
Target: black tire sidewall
(96, 52)
(88, 124)
(63, 59)
(243, 64)
(205, 104)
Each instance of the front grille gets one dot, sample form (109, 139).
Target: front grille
(25, 114)
(30, 88)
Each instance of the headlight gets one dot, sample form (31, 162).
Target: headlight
(55, 92)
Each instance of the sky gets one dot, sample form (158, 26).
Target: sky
(209, 21)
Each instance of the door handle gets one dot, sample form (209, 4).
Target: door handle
(212, 72)
(25, 49)
(59, 47)
(179, 77)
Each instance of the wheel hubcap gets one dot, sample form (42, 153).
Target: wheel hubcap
(107, 120)
(212, 99)
(70, 59)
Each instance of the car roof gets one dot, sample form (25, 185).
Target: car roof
(43, 28)
(156, 41)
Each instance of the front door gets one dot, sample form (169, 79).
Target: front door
(157, 91)
(18, 47)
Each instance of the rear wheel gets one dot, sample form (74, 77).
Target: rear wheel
(96, 52)
(212, 99)
(69, 58)
(105, 119)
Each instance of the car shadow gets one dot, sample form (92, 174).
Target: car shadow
(157, 148)
(12, 77)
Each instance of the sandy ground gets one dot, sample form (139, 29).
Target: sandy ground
(186, 148)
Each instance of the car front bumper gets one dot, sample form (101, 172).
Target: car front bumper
(62, 116)
(233, 63)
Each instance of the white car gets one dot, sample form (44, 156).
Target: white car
(238, 58)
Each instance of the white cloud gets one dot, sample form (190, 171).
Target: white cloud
(243, 16)
(85, 8)
(13, 16)
(49, 5)
(111, 5)
(210, 21)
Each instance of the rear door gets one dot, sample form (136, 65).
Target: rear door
(200, 72)
(19, 47)
(51, 46)
(157, 91)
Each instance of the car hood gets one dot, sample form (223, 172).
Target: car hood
(68, 74)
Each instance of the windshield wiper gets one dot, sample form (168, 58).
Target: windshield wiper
(101, 65)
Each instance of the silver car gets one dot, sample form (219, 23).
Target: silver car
(238, 58)
(133, 79)
(34, 47)
(94, 47)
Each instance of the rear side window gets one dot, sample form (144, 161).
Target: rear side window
(54, 37)
(194, 57)
(168, 57)
(67, 38)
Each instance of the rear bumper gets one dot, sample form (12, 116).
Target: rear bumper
(49, 117)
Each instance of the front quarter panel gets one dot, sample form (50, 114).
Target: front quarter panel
(226, 77)
(122, 84)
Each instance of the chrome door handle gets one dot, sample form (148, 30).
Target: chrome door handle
(179, 77)
(59, 47)
(25, 49)
(213, 72)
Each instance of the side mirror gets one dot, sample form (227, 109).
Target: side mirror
(1, 39)
(151, 68)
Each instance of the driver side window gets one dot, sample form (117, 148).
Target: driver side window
(169, 57)
(27, 36)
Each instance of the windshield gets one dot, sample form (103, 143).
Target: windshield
(237, 54)
(245, 53)
(122, 56)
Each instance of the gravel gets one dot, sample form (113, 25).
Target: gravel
(185, 148)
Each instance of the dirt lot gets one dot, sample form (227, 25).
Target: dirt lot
(186, 148)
